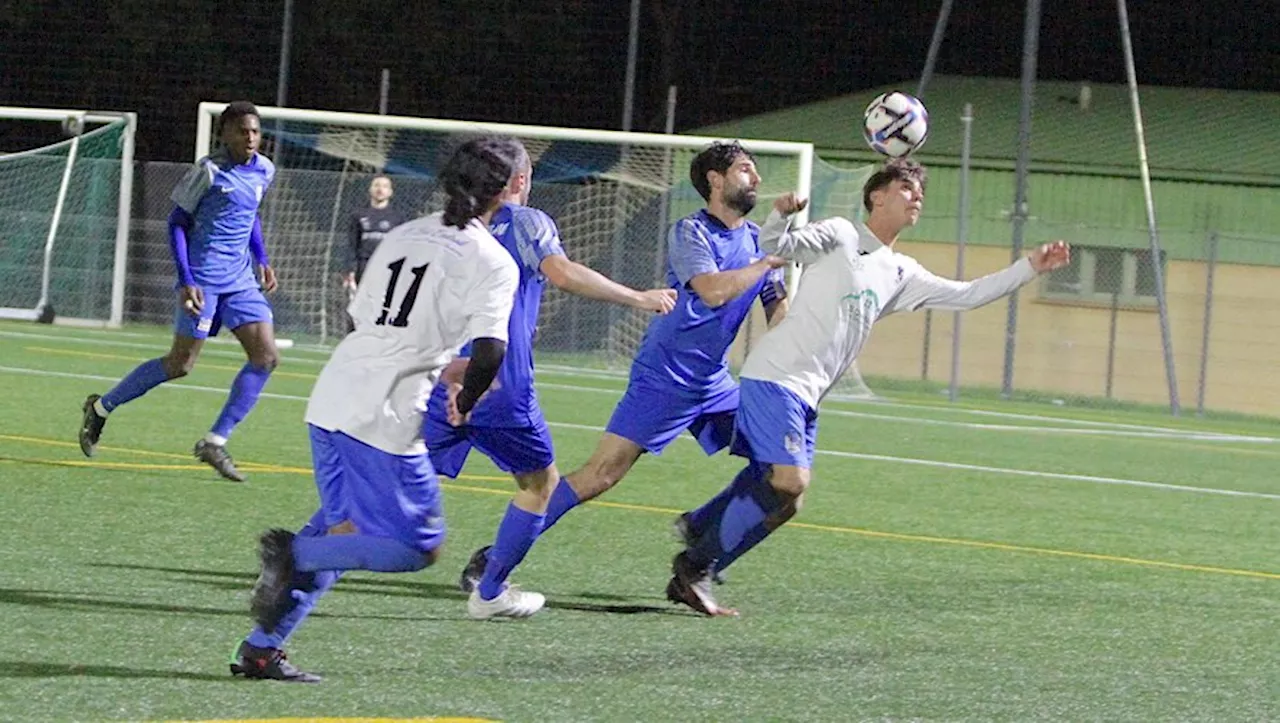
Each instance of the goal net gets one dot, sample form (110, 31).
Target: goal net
(613, 195)
(64, 217)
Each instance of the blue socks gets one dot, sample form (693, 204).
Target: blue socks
(305, 596)
(516, 534)
(245, 389)
(355, 552)
(700, 518)
(147, 376)
(304, 599)
(738, 519)
(563, 499)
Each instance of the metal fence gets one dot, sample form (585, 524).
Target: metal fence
(1087, 332)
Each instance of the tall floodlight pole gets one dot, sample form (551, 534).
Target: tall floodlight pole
(633, 45)
(930, 60)
(1145, 170)
(286, 41)
(1030, 51)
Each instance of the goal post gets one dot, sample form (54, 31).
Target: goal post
(65, 217)
(612, 193)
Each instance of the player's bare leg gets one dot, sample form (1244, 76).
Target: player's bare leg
(534, 491)
(613, 459)
(258, 340)
(182, 356)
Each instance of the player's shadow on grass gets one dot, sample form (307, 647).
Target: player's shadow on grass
(73, 602)
(33, 669)
(409, 587)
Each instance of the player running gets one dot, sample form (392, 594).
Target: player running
(853, 277)
(432, 285)
(680, 377)
(216, 238)
(507, 426)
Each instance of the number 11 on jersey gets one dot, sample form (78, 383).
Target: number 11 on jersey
(406, 304)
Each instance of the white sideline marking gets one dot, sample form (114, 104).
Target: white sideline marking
(1122, 431)
(153, 348)
(1099, 428)
(833, 453)
(1191, 435)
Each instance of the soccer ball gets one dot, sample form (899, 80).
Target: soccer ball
(895, 124)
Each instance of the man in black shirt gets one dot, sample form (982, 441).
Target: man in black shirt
(368, 226)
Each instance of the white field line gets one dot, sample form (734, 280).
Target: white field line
(1020, 415)
(833, 453)
(157, 348)
(1099, 428)
(1126, 431)
(1188, 435)
(1173, 432)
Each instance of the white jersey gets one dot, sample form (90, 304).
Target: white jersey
(850, 280)
(428, 289)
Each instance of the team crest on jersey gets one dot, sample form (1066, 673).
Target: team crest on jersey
(792, 442)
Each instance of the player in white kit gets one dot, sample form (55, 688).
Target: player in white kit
(852, 278)
(432, 285)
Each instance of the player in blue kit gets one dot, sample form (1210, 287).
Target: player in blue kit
(432, 285)
(216, 238)
(507, 426)
(680, 377)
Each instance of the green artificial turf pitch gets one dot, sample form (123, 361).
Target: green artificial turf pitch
(949, 564)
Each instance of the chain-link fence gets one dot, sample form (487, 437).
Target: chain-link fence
(1090, 332)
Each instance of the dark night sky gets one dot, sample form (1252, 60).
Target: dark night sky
(562, 63)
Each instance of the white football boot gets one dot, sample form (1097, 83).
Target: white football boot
(512, 603)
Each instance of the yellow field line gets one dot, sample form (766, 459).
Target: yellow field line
(122, 357)
(265, 467)
(329, 719)
(862, 532)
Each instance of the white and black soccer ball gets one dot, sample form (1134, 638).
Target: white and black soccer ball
(895, 124)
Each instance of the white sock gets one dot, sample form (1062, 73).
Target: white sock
(99, 409)
(216, 440)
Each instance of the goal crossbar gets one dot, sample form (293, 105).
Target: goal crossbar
(115, 316)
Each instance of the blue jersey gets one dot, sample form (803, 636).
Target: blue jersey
(223, 198)
(530, 236)
(689, 347)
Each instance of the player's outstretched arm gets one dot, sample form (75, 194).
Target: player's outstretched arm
(585, 281)
(924, 289)
(803, 245)
(718, 288)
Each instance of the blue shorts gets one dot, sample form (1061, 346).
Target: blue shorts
(774, 426)
(232, 309)
(382, 494)
(652, 414)
(515, 450)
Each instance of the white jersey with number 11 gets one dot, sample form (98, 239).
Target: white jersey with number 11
(428, 289)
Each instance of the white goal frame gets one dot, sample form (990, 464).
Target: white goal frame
(803, 152)
(77, 119)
